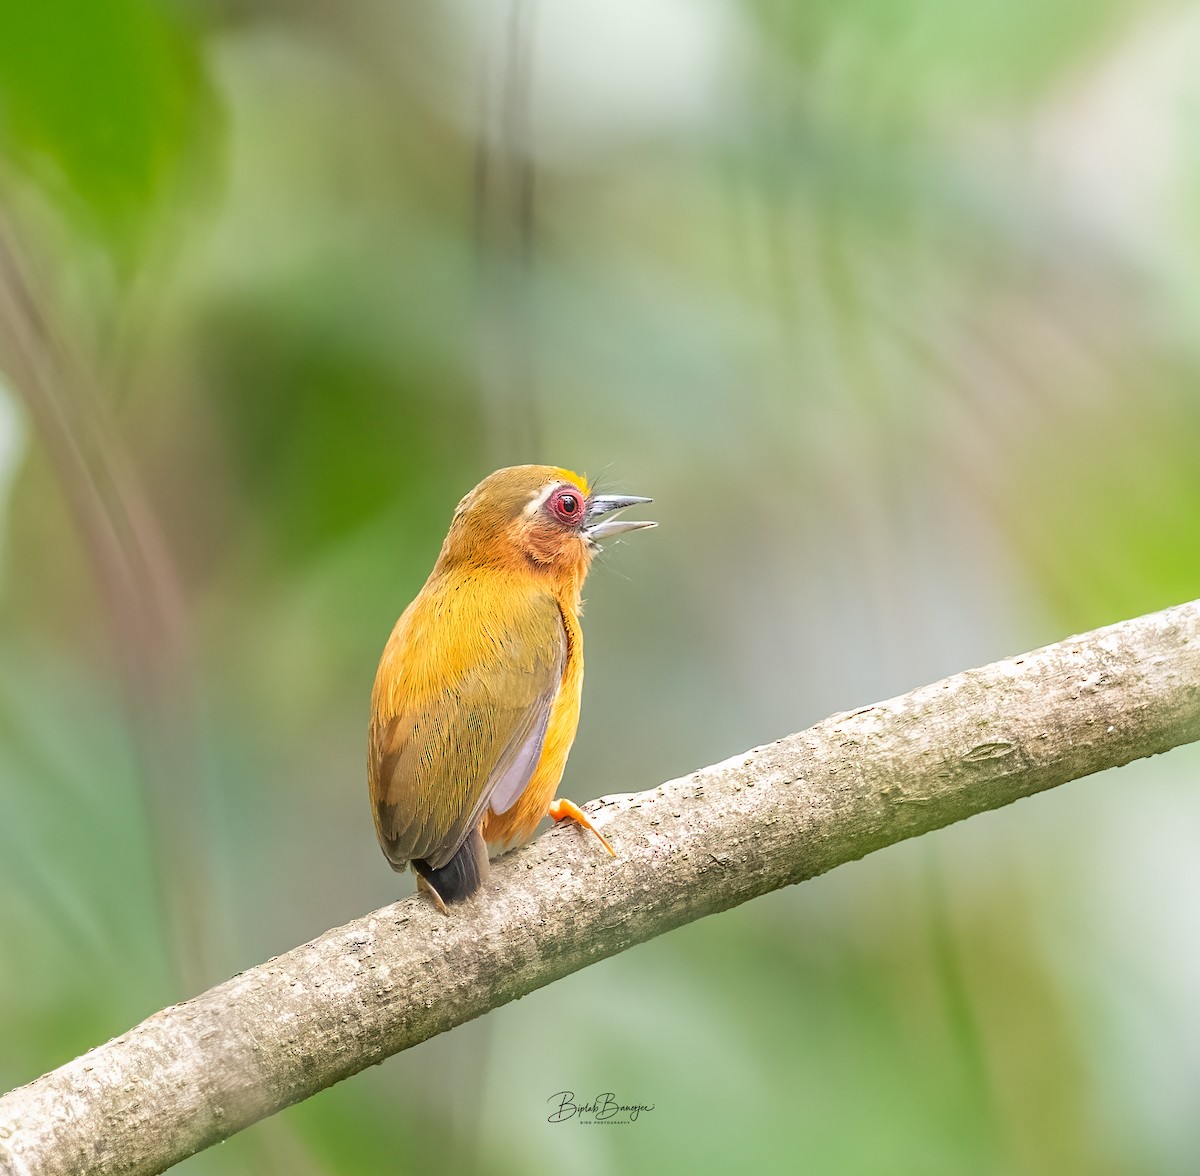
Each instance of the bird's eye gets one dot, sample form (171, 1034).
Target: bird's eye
(567, 507)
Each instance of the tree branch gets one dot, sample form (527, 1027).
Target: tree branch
(197, 1072)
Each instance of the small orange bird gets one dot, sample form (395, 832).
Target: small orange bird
(476, 698)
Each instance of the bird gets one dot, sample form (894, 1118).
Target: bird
(476, 699)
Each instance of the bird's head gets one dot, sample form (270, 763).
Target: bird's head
(535, 517)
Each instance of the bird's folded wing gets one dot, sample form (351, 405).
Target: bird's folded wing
(437, 763)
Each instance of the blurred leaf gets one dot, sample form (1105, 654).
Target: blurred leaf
(326, 436)
(893, 59)
(1113, 532)
(103, 103)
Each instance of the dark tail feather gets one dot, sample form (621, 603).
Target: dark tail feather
(462, 875)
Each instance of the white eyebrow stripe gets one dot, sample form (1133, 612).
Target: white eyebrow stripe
(539, 499)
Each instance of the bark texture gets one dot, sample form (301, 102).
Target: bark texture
(196, 1072)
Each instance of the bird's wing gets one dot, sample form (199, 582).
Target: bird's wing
(445, 754)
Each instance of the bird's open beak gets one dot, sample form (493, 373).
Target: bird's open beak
(600, 505)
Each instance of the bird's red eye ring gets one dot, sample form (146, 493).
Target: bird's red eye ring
(566, 506)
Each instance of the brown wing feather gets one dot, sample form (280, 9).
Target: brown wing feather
(435, 763)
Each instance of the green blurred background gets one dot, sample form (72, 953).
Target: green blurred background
(893, 308)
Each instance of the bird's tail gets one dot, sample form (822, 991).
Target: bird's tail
(462, 875)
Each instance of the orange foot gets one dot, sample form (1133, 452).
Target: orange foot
(568, 810)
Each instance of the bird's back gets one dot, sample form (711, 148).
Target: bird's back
(463, 705)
